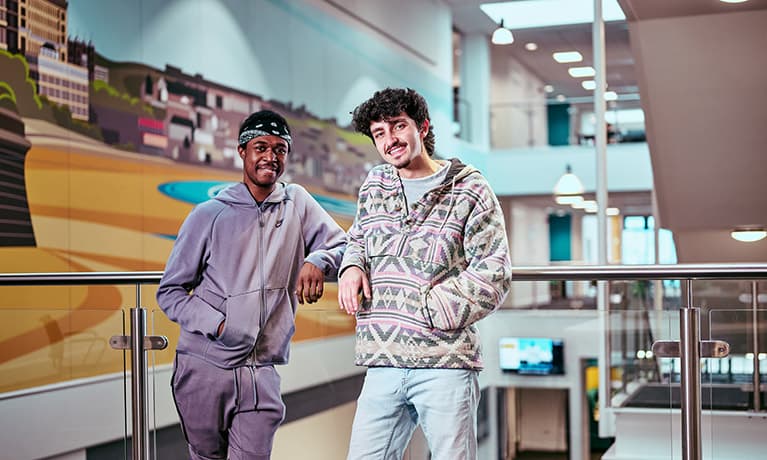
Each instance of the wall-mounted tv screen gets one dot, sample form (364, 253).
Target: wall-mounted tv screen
(532, 355)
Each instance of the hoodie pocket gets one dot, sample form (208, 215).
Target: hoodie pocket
(279, 326)
(213, 299)
(399, 280)
(241, 326)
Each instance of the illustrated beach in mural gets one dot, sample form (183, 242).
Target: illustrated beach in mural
(109, 159)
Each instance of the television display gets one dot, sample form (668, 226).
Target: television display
(532, 355)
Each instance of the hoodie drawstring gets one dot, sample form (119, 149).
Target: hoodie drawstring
(236, 389)
(255, 390)
(281, 218)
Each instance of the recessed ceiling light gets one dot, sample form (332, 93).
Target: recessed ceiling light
(579, 72)
(748, 235)
(733, 1)
(531, 46)
(572, 200)
(589, 84)
(548, 88)
(583, 204)
(561, 97)
(567, 56)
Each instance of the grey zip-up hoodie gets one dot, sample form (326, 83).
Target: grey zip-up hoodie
(237, 260)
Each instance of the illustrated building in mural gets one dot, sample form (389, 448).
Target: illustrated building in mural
(61, 82)
(37, 29)
(195, 120)
(9, 25)
(82, 54)
(168, 113)
(41, 23)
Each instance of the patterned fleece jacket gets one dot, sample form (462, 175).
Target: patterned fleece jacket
(435, 269)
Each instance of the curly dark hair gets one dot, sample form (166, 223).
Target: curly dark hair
(388, 103)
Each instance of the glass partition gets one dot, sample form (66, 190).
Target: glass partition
(61, 383)
(320, 384)
(58, 369)
(731, 406)
(165, 436)
(639, 378)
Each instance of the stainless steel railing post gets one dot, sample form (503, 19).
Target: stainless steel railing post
(689, 345)
(755, 344)
(138, 379)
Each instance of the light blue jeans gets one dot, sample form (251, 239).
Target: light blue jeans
(394, 401)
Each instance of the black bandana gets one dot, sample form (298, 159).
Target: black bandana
(264, 123)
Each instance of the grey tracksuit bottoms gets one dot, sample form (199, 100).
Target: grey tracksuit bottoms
(227, 413)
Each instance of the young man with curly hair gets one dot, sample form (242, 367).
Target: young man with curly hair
(428, 252)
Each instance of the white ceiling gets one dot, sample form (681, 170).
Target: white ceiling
(468, 18)
(640, 10)
(700, 67)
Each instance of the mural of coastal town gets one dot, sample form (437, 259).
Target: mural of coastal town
(101, 161)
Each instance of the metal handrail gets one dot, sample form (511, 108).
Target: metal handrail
(520, 273)
(641, 272)
(137, 342)
(73, 278)
(689, 345)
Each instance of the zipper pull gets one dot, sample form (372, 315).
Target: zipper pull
(260, 217)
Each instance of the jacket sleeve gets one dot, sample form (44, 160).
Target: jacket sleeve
(479, 290)
(183, 273)
(325, 239)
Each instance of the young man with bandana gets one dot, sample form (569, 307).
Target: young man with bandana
(241, 262)
(428, 252)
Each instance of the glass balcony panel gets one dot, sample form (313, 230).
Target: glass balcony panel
(319, 386)
(730, 404)
(57, 362)
(166, 440)
(636, 371)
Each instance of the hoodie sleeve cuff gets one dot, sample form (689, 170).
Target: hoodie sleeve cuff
(318, 261)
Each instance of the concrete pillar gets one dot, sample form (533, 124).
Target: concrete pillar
(475, 88)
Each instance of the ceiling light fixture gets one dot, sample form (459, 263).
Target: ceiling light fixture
(567, 56)
(589, 84)
(548, 88)
(568, 184)
(531, 46)
(502, 35)
(733, 1)
(748, 234)
(579, 72)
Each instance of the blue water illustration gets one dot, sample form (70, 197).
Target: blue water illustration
(196, 192)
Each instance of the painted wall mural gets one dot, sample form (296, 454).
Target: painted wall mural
(102, 159)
